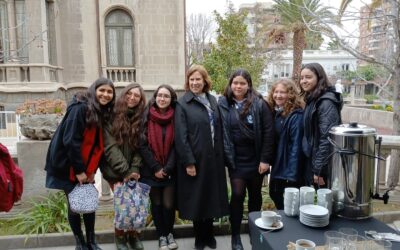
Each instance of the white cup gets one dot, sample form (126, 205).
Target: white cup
(307, 195)
(269, 218)
(303, 244)
(324, 198)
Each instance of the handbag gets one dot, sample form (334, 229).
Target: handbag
(84, 199)
(131, 201)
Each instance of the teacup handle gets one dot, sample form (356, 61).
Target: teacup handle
(278, 218)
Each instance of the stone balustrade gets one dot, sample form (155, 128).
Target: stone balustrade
(24, 73)
(120, 74)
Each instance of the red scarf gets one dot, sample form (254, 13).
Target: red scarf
(156, 123)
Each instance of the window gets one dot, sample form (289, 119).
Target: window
(4, 50)
(20, 39)
(345, 67)
(119, 39)
(51, 32)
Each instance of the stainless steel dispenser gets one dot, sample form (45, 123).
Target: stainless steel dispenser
(352, 170)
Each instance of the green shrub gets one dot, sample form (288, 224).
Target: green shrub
(370, 98)
(389, 108)
(46, 216)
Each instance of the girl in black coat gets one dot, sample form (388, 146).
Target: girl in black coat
(322, 112)
(201, 180)
(158, 154)
(80, 131)
(248, 144)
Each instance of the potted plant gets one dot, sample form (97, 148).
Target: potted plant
(40, 118)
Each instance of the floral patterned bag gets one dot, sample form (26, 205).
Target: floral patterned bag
(131, 201)
(84, 199)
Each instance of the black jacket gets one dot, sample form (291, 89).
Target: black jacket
(263, 129)
(205, 195)
(65, 146)
(319, 117)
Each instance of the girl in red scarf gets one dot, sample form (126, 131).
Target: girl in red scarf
(158, 154)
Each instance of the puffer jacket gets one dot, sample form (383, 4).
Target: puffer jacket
(263, 129)
(121, 160)
(319, 117)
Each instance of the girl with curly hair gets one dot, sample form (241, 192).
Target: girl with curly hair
(121, 143)
(288, 165)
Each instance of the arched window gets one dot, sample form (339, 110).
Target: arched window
(119, 39)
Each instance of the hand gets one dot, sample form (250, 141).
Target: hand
(90, 178)
(135, 176)
(160, 174)
(263, 167)
(319, 180)
(82, 178)
(191, 170)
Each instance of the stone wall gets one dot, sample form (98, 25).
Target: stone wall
(374, 118)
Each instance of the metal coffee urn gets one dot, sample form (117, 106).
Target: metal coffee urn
(352, 170)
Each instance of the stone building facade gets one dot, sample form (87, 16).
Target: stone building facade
(51, 48)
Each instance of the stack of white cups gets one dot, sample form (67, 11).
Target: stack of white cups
(307, 195)
(291, 201)
(324, 197)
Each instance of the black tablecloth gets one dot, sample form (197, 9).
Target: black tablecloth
(293, 230)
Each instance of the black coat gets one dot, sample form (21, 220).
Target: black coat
(320, 116)
(203, 196)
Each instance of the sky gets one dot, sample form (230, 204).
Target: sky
(208, 6)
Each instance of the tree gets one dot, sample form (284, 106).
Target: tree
(198, 32)
(333, 45)
(387, 11)
(231, 51)
(295, 17)
(313, 40)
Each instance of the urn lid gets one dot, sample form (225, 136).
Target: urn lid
(352, 129)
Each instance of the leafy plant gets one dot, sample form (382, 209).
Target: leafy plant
(49, 215)
(370, 98)
(42, 106)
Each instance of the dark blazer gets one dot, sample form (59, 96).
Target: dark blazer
(289, 159)
(263, 129)
(205, 195)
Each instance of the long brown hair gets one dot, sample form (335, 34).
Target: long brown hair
(294, 100)
(126, 127)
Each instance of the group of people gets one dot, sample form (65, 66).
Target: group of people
(180, 147)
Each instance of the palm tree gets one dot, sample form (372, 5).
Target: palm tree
(295, 16)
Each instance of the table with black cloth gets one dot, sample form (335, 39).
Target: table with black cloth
(293, 230)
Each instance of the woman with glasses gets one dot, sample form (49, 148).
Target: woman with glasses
(159, 168)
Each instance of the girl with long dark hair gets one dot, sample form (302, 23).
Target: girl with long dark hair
(248, 144)
(76, 150)
(322, 112)
(159, 170)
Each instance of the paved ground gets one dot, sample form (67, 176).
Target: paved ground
(223, 243)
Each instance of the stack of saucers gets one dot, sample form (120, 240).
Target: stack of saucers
(314, 216)
(291, 201)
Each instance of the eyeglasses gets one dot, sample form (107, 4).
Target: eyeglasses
(165, 96)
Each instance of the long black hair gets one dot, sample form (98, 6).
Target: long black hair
(322, 80)
(251, 94)
(96, 113)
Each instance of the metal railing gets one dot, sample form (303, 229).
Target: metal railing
(9, 130)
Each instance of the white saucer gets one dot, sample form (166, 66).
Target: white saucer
(260, 224)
